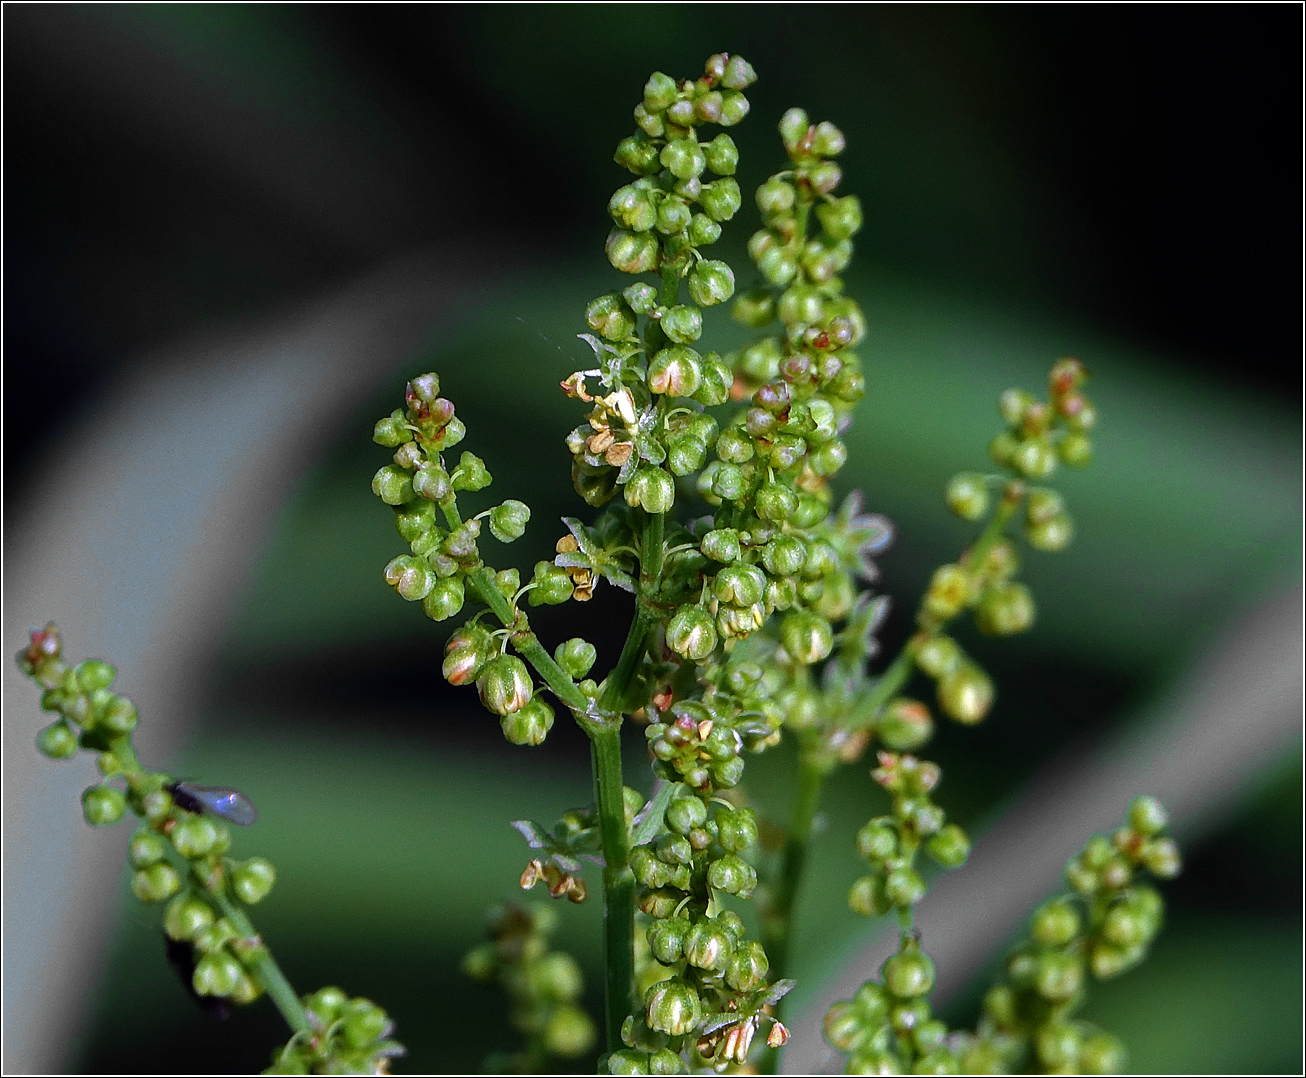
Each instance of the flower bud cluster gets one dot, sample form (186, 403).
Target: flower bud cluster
(91, 716)
(443, 549)
(1029, 1022)
(543, 987)
(888, 1027)
(350, 1036)
(657, 225)
(891, 843)
(633, 438)
(1041, 434)
(700, 962)
(214, 944)
(803, 289)
(179, 854)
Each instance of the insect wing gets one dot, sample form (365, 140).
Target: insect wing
(222, 801)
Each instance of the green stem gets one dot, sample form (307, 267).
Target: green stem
(618, 884)
(778, 925)
(256, 957)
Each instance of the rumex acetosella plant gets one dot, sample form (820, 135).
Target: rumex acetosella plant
(179, 861)
(754, 620)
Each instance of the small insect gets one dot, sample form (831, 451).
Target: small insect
(222, 801)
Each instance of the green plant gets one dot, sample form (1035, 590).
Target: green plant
(753, 620)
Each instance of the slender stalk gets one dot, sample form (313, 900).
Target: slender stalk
(777, 927)
(255, 955)
(618, 884)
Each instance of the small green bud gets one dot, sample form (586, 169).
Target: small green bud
(610, 317)
(432, 483)
(1005, 610)
(253, 879)
(504, 685)
(827, 140)
(392, 431)
(841, 217)
(471, 473)
(103, 805)
(393, 485)
(415, 520)
(638, 155)
(734, 446)
(784, 555)
(642, 297)
(722, 155)
(632, 252)
(968, 495)
(877, 841)
(410, 576)
(740, 585)
(652, 488)
(187, 916)
(686, 455)
(711, 282)
(683, 324)
(157, 883)
(691, 633)
(806, 636)
(528, 725)
(737, 830)
(659, 92)
(905, 725)
(1102, 1053)
(778, 265)
(1055, 923)
(966, 694)
(793, 127)
(1051, 535)
(703, 231)
(824, 177)
(732, 873)
(776, 502)
(908, 974)
(675, 371)
(94, 674)
(674, 216)
(146, 847)
(949, 847)
(949, 592)
(444, 600)
(1075, 450)
(829, 458)
(683, 158)
(904, 887)
(1043, 505)
(631, 208)
(1034, 458)
(194, 836)
(216, 974)
(1161, 858)
(721, 544)
(734, 107)
(508, 521)
(673, 1007)
(721, 199)
(707, 946)
(550, 585)
(1058, 1044)
(568, 1032)
(684, 814)
(575, 656)
(57, 741)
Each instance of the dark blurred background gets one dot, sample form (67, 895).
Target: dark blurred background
(1119, 181)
